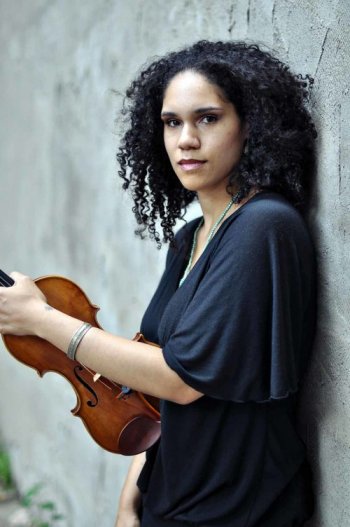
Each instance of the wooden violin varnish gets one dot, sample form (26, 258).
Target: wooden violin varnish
(119, 419)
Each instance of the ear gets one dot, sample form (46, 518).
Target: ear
(245, 135)
(245, 130)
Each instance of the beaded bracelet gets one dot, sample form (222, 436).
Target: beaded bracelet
(76, 339)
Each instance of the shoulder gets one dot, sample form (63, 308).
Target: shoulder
(268, 214)
(269, 208)
(266, 226)
(187, 229)
(183, 239)
(184, 235)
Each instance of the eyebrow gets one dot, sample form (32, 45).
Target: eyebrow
(197, 111)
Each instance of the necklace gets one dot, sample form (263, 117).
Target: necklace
(211, 234)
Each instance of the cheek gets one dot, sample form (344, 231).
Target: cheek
(228, 149)
(233, 144)
(233, 138)
(168, 143)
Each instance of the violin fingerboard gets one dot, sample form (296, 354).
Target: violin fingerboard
(5, 279)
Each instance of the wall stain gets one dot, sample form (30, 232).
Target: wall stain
(339, 153)
(232, 22)
(321, 54)
(273, 12)
(248, 13)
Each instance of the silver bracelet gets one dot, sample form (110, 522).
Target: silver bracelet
(76, 339)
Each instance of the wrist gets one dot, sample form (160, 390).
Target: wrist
(55, 326)
(130, 503)
(35, 313)
(128, 508)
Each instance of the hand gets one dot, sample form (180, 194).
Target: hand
(127, 518)
(20, 306)
(130, 498)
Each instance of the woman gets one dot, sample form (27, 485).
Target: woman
(227, 124)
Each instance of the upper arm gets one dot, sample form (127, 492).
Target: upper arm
(239, 336)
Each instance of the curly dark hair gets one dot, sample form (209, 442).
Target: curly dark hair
(267, 96)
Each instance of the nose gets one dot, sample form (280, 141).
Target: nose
(189, 138)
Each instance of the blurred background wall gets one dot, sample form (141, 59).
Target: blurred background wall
(62, 212)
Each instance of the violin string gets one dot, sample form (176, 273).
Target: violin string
(116, 385)
(99, 380)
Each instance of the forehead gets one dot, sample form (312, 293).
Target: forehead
(191, 88)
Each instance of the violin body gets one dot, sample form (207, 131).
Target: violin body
(120, 420)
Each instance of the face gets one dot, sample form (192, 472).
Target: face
(203, 134)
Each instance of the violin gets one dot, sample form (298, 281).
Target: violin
(119, 419)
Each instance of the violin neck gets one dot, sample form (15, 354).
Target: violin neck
(5, 279)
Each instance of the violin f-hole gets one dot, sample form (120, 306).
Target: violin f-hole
(90, 403)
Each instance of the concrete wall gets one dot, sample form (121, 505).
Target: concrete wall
(62, 211)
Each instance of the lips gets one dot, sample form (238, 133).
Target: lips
(191, 164)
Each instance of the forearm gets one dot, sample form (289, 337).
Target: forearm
(142, 367)
(135, 364)
(130, 496)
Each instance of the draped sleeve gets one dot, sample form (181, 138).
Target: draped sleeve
(241, 325)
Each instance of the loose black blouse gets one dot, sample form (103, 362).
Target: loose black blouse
(239, 330)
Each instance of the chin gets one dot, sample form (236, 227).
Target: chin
(195, 185)
(192, 187)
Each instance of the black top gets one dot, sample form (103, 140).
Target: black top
(239, 330)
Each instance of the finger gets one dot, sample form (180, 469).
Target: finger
(17, 276)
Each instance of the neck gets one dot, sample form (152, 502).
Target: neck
(212, 206)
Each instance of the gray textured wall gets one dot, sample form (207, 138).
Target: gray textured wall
(62, 211)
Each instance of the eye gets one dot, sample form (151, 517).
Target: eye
(172, 123)
(208, 119)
